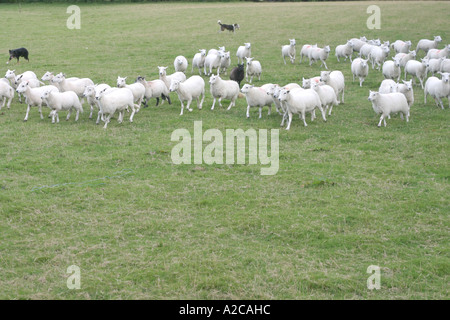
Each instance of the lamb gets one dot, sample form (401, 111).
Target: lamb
(358, 43)
(244, 51)
(319, 54)
(344, 51)
(154, 89)
(288, 51)
(391, 69)
(167, 79)
(445, 65)
(405, 57)
(58, 101)
(306, 83)
(387, 103)
(253, 69)
(336, 80)
(426, 44)
(180, 64)
(192, 88)
(400, 46)
(225, 62)
(212, 61)
(436, 53)
(407, 89)
(238, 74)
(360, 68)
(433, 65)
(388, 86)
(199, 60)
(33, 96)
(377, 55)
(327, 95)
(76, 86)
(90, 93)
(223, 89)
(275, 90)
(416, 69)
(300, 102)
(256, 97)
(438, 88)
(118, 99)
(305, 50)
(137, 88)
(6, 92)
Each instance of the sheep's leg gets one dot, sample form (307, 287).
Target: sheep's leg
(324, 63)
(381, 119)
(77, 114)
(214, 102)
(270, 110)
(289, 121)
(53, 116)
(40, 112)
(284, 59)
(361, 80)
(441, 104)
(220, 101)
(285, 115)
(353, 77)
(182, 107)
(57, 116)
(303, 118)
(68, 114)
(188, 104)
(248, 111)
(92, 111)
(331, 108)
(98, 117)
(260, 112)
(343, 90)
(201, 102)
(107, 119)
(3, 103)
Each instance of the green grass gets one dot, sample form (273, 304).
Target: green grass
(347, 195)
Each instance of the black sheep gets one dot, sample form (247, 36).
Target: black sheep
(237, 74)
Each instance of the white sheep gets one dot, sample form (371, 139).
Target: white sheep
(344, 51)
(416, 69)
(199, 60)
(438, 88)
(243, 52)
(407, 89)
(365, 50)
(62, 101)
(433, 65)
(445, 65)
(215, 51)
(167, 79)
(305, 50)
(223, 89)
(253, 69)
(326, 94)
(90, 93)
(336, 80)
(425, 44)
(180, 64)
(387, 86)
(439, 53)
(360, 69)
(48, 76)
(16, 79)
(76, 85)
(190, 89)
(400, 46)
(154, 89)
(118, 99)
(377, 55)
(388, 103)
(225, 62)
(33, 96)
(374, 42)
(321, 54)
(358, 43)
(212, 61)
(405, 57)
(288, 51)
(306, 83)
(6, 92)
(275, 90)
(137, 88)
(257, 97)
(300, 102)
(391, 69)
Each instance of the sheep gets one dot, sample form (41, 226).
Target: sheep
(253, 69)
(243, 52)
(167, 79)
(15, 80)
(225, 62)
(358, 43)
(387, 103)
(192, 88)
(374, 42)
(400, 46)
(319, 54)
(256, 97)
(425, 44)
(391, 69)
(416, 69)
(90, 92)
(336, 80)
(111, 101)
(215, 51)
(445, 65)
(274, 91)
(180, 64)
(387, 86)
(212, 61)
(33, 96)
(76, 86)
(199, 60)
(439, 53)
(154, 89)
(326, 94)
(237, 74)
(365, 50)
(407, 89)
(360, 68)
(48, 76)
(438, 88)
(305, 50)
(223, 89)
(288, 51)
(433, 65)
(405, 57)
(344, 51)
(137, 88)
(306, 83)
(300, 102)
(6, 92)
(377, 55)
(64, 101)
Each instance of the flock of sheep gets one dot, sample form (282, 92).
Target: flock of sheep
(321, 92)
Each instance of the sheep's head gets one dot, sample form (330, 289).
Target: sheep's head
(248, 45)
(10, 74)
(99, 94)
(350, 43)
(22, 87)
(363, 38)
(47, 76)
(282, 95)
(396, 61)
(202, 52)
(18, 78)
(249, 60)
(246, 88)
(393, 87)
(364, 63)
(121, 82)
(241, 67)
(89, 91)
(45, 94)
(324, 76)
(327, 49)
(174, 84)
(408, 84)
(292, 42)
(213, 79)
(306, 83)
(373, 95)
(59, 77)
(413, 53)
(162, 71)
(445, 76)
(437, 38)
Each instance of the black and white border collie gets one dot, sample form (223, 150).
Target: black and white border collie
(229, 27)
(17, 53)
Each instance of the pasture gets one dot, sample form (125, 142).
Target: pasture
(347, 194)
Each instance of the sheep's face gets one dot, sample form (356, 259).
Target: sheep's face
(249, 61)
(445, 77)
(246, 88)
(248, 45)
(363, 63)
(10, 74)
(45, 95)
(17, 79)
(408, 84)
(99, 94)
(213, 79)
(58, 78)
(292, 42)
(162, 71)
(396, 61)
(282, 95)
(373, 96)
(241, 67)
(413, 53)
(327, 49)
(408, 43)
(22, 87)
(89, 91)
(306, 83)
(364, 39)
(121, 82)
(437, 38)
(174, 85)
(203, 52)
(350, 43)
(324, 76)
(47, 76)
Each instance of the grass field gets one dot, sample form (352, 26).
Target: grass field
(347, 194)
